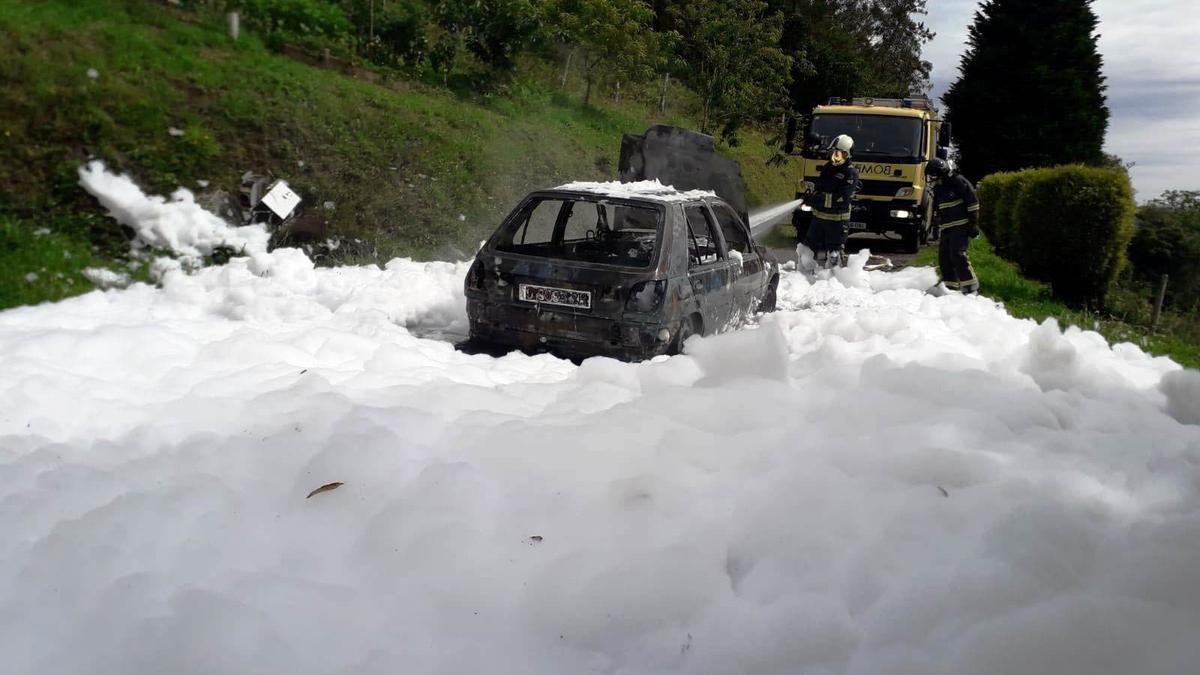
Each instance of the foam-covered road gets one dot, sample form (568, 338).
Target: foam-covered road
(871, 480)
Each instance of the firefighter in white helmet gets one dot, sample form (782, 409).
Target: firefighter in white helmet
(835, 189)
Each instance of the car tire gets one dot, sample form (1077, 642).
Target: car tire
(771, 298)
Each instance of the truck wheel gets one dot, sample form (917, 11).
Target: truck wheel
(911, 242)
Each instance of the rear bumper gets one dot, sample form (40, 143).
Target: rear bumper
(564, 334)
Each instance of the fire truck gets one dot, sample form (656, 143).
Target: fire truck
(893, 139)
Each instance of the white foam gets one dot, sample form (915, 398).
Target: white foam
(868, 481)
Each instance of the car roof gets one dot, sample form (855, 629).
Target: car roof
(647, 190)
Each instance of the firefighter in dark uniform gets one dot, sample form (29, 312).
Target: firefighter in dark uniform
(957, 211)
(835, 188)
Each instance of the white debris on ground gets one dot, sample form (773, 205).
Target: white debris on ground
(873, 480)
(105, 278)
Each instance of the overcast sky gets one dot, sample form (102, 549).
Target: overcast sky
(1151, 52)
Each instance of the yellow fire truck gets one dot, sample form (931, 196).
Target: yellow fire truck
(893, 138)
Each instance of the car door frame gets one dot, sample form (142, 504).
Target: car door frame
(749, 278)
(712, 284)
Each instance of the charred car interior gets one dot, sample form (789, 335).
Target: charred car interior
(584, 231)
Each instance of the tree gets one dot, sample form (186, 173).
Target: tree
(393, 33)
(851, 48)
(1030, 92)
(731, 48)
(495, 31)
(895, 37)
(1167, 241)
(609, 36)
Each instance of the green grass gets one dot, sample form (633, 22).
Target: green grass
(40, 265)
(1177, 337)
(413, 168)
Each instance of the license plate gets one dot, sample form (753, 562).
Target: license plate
(857, 226)
(563, 297)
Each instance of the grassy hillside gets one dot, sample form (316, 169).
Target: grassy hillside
(413, 168)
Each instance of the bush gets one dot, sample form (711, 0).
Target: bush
(400, 35)
(307, 22)
(991, 193)
(997, 195)
(1165, 242)
(1074, 224)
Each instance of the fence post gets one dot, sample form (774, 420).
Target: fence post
(1158, 303)
(234, 24)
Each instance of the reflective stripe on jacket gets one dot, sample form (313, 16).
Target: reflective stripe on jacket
(955, 202)
(835, 192)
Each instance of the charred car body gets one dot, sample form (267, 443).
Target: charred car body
(627, 270)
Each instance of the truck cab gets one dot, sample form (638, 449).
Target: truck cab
(893, 139)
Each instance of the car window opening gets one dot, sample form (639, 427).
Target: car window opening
(731, 227)
(585, 231)
(702, 244)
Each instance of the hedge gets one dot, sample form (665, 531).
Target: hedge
(1067, 225)
(992, 192)
(998, 194)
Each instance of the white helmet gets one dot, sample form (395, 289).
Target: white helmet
(843, 143)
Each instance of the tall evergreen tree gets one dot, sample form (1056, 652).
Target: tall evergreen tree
(1030, 92)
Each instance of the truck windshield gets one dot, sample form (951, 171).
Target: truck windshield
(875, 136)
(583, 230)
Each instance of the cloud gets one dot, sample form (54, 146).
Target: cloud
(1153, 75)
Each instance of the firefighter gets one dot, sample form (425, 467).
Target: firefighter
(835, 188)
(957, 212)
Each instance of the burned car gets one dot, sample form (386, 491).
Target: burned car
(627, 270)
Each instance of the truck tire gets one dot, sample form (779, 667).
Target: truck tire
(911, 242)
